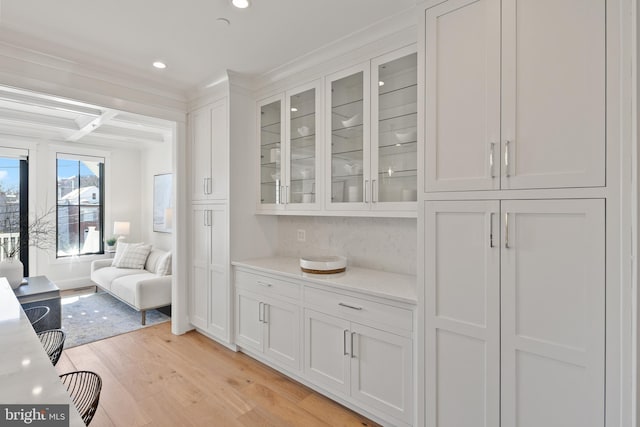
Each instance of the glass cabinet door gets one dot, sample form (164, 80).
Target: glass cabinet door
(348, 134)
(271, 178)
(302, 157)
(396, 137)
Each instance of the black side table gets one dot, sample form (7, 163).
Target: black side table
(41, 291)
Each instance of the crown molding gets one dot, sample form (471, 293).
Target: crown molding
(42, 67)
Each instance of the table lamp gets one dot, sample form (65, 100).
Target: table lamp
(121, 229)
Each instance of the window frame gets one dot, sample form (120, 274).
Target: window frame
(101, 202)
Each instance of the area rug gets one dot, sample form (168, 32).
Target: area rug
(96, 316)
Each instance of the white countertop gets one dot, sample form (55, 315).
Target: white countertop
(26, 374)
(399, 287)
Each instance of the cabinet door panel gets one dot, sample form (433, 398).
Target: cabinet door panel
(326, 351)
(200, 124)
(462, 96)
(249, 328)
(218, 186)
(554, 89)
(200, 258)
(281, 341)
(553, 289)
(381, 371)
(462, 313)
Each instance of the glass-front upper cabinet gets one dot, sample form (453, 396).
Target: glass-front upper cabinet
(348, 149)
(394, 139)
(302, 154)
(271, 137)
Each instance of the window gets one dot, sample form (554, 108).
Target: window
(80, 210)
(14, 190)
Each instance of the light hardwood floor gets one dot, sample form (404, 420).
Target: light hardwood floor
(153, 378)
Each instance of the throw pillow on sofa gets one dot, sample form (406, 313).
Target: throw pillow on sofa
(164, 265)
(131, 255)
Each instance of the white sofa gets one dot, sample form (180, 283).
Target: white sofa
(142, 289)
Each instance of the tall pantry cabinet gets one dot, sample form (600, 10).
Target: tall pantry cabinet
(209, 280)
(514, 211)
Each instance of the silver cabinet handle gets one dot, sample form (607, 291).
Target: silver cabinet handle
(286, 194)
(506, 230)
(209, 185)
(507, 173)
(260, 318)
(353, 356)
(491, 150)
(366, 189)
(353, 307)
(280, 196)
(204, 218)
(208, 222)
(204, 185)
(268, 285)
(491, 230)
(344, 343)
(266, 312)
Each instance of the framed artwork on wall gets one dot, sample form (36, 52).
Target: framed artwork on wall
(162, 208)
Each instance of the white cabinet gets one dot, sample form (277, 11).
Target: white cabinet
(209, 151)
(371, 366)
(290, 136)
(210, 297)
(372, 123)
(514, 313)
(515, 94)
(266, 322)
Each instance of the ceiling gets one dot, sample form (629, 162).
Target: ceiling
(124, 37)
(129, 35)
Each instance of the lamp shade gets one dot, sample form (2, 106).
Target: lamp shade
(121, 228)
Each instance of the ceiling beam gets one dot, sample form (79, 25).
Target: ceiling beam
(92, 125)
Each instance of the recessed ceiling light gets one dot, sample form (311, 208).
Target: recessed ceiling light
(294, 109)
(160, 65)
(380, 83)
(240, 4)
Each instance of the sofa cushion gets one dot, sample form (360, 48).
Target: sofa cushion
(143, 291)
(164, 265)
(106, 275)
(152, 260)
(132, 256)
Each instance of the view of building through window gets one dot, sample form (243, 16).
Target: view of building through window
(9, 205)
(79, 206)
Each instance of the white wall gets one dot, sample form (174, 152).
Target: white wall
(388, 244)
(155, 160)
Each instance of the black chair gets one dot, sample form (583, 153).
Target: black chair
(53, 343)
(36, 314)
(84, 388)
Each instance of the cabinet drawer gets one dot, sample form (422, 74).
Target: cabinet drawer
(266, 285)
(358, 309)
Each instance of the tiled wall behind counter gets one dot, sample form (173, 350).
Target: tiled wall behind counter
(388, 244)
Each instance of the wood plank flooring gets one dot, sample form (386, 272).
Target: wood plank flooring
(153, 378)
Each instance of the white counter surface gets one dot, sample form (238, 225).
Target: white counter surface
(399, 287)
(26, 374)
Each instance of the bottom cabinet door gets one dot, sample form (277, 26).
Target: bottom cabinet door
(381, 371)
(281, 341)
(327, 351)
(553, 313)
(249, 326)
(199, 277)
(220, 299)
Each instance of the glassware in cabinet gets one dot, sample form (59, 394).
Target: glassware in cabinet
(271, 179)
(394, 112)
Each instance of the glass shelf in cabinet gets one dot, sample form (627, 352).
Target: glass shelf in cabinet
(404, 120)
(390, 173)
(311, 138)
(275, 144)
(398, 148)
(391, 90)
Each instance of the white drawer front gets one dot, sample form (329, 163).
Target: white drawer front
(357, 309)
(266, 285)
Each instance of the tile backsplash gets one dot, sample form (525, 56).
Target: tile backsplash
(388, 244)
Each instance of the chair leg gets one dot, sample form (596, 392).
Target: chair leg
(144, 317)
